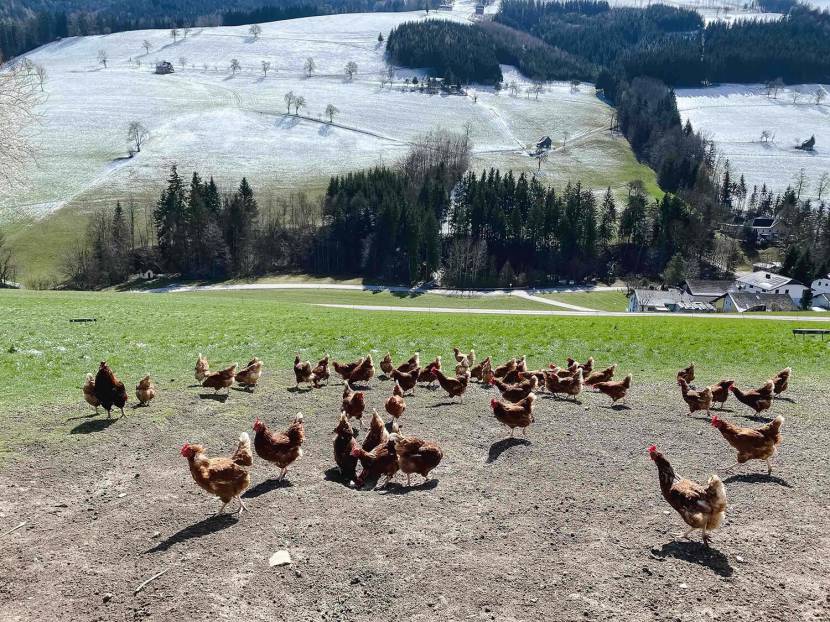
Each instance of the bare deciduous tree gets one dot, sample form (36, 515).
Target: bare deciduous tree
(537, 88)
(795, 94)
(40, 73)
(310, 66)
(18, 99)
(174, 34)
(390, 75)
(147, 46)
(185, 32)
(137, 134)
(7, 267)
(103, 58)
(183, 61)
(235, 66)
(513, 87)
(266, 67)
(819, 94)
(255, 30)
(289, 98)
(351, 69)
(299, 102)
(331, 110)
(822, 185)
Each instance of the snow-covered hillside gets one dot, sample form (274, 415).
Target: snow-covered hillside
(735, 115)
(203, 117)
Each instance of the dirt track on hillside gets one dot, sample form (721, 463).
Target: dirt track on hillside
(566, 525)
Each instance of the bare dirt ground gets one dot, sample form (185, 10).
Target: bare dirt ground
(568, 524)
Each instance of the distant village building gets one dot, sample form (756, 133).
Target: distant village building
(544, 143)
(710, 291)
(672, 300)
(479, 9)
(765, 228)
(741, 302)
(821, 285)
(770, 283)
(164, 67)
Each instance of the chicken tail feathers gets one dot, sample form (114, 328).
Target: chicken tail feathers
(242, 456)
(716, 493)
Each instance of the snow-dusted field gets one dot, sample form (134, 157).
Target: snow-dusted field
(206, 119)
(734, 117)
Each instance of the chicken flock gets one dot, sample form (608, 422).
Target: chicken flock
(386, 451)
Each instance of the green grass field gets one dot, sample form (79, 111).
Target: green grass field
(600, 301)
(44, 356)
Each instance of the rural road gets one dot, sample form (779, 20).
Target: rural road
(564, 309)
(571, 313)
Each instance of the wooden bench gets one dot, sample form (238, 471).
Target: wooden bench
(811, 331)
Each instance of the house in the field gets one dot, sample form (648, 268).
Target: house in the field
(164, 67)
(671, 300)
(770, 283)
(544, 143)
(741, 302)
(480, 9)
(808, 145)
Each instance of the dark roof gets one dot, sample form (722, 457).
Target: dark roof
(708, 288)
(749, 301)
(763, 222)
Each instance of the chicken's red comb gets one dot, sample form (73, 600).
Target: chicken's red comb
(715, 421)
(652, 449)
(184, 449)
(493, 402)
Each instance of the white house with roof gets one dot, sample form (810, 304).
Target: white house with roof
(821, 285)
(770, 283)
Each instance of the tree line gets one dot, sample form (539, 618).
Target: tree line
(675, 46)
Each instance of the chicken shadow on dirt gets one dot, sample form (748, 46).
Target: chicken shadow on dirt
(216, 397)
(89, 416)
(617, 407)
(758, 418)
(94, 425)
(265, 487)
(300, 389)
(784, 399)
(205, 527)
(757, 478)
(443, 404)
(243, 390)
(402, 489)
(334, 475)
(697, 553)
(499, 447)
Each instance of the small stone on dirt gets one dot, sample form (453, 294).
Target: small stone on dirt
(280, 558)
(107, 597)
(740, 559)
(122, 495)
(156, 534)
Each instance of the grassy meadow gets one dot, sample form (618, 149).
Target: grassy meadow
(44, 356)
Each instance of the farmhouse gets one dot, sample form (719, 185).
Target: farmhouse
(770, 283)
(544, 143)
(710, 291)
(821, 285)
(740, 302)
(765, 228)
(667, 300)
(164, 67)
